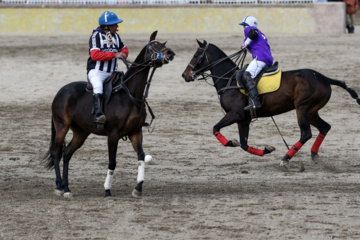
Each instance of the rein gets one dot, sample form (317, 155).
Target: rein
(238, 57)
(155, 56)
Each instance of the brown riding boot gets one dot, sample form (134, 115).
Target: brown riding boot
(99, 115)
(254, 101)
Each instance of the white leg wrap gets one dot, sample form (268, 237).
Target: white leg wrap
(109, 179)
(141, 171)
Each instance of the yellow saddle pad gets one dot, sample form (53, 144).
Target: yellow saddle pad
(267, 84)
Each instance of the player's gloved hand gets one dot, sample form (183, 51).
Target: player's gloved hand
(120, 55)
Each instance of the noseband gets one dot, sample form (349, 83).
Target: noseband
(155, 53)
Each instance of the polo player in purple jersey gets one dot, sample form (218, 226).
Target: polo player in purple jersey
(256, 42)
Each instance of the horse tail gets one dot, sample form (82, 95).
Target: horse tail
(49, 161)
(343, 85)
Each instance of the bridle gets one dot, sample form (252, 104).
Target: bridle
(155, 53)
(238, 58)
(155, 56)
(193, 73)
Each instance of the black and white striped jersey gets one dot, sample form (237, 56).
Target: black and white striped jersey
(100, 41)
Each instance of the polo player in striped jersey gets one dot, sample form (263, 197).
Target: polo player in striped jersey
(105, 46)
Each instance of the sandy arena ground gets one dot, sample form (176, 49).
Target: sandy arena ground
(195, 188)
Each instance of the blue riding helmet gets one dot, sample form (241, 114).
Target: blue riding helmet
(109, 18)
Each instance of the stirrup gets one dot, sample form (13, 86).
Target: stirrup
(252, 107)
(100, 119)
(249, 107)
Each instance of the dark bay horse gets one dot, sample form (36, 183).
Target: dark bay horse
(125, 111)
(304, 90)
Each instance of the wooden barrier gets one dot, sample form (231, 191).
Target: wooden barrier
(326, 18)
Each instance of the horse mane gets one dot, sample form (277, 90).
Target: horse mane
(141, 54)
(221, 51)
(222, 54)
(139, 60)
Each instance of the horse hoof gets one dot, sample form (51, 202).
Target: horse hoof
(269, 149)
(107, 193)
(58, 192)
(235, 143)
(136, 193)
(315, 157)
(68, 195)
(284, 165)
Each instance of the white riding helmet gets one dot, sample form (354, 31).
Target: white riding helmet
(249, 21)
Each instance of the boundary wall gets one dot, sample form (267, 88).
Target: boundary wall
(323, 18)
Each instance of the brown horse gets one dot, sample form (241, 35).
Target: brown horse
(304, 90)
(125, 111)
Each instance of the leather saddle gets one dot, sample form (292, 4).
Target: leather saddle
(266, 71)
(109, 84)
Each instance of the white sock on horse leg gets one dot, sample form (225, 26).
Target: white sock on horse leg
(141, 171)
(109, 179)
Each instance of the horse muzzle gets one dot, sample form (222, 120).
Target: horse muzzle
(164, 58)
(168, 56)
(188, 77)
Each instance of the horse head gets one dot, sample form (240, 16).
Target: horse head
(157, 53)
(198, 63)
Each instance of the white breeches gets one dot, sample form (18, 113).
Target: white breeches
(97, 79)
(255, 67)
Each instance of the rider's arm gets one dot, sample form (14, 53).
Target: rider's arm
(125, 50)
(98, 55)
(253, 34)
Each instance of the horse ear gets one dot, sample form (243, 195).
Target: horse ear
(153, 36)
(164, 43)
(201, 44)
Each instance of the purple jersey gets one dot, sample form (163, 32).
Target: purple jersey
(259, 47)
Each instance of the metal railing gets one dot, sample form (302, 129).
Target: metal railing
(154, 2)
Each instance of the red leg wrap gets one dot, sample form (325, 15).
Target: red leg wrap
(221, 138)
(294, 149)
(317, 143)
(255, 151)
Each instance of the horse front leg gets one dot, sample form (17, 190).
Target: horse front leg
(113, 140)
(227, 120)
(136, 141)
(244, 134)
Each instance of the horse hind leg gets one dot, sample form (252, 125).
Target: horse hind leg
(57, 153)
(323, 128)
(305, 131)
(76, 142)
